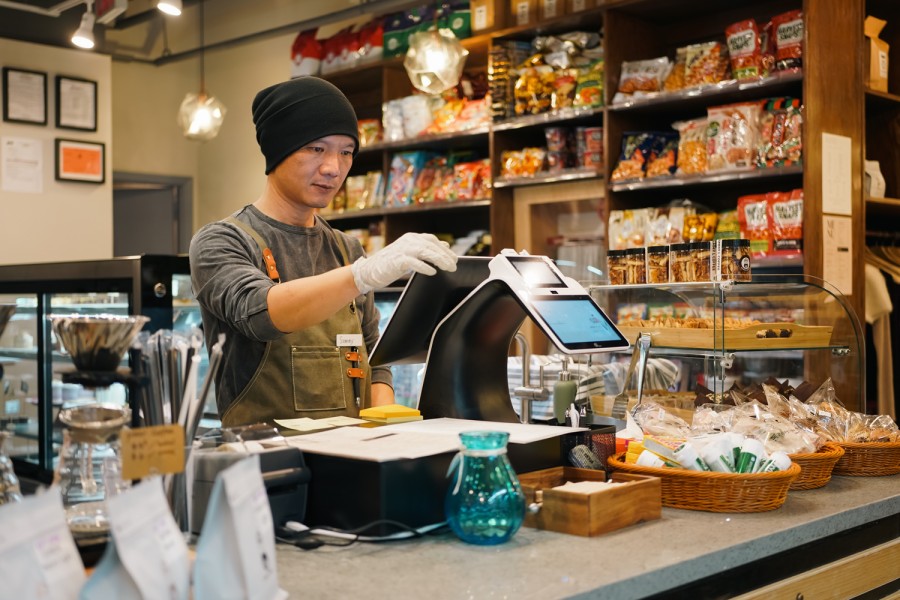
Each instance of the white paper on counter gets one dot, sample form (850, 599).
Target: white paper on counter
(519, 433)
(375, 444)
(38, 558)
(307, 424)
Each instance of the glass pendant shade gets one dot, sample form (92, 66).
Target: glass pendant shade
(200, 116)
(170, 7)
(435, 60)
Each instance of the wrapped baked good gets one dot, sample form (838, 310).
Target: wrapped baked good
(691, 146)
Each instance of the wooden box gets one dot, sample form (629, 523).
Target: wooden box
(488, 15)
(523, 12)
(639, 498)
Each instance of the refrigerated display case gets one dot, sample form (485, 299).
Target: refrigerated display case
(32, 360)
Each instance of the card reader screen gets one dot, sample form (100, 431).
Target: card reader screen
(536, 272)
(578, 322)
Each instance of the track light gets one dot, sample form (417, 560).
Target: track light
(170, 7)
(84, 36)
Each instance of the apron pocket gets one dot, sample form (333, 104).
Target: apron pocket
(318, 377)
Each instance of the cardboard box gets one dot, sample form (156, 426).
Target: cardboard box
(550, 9)
(877, 66)
(638, 498)
(488, 15)
(577, 6)
(523, 12)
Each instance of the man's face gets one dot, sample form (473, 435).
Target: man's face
(311, 176)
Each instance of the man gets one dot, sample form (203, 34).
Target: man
(291, 294)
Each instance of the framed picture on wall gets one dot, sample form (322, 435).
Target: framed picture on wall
(24, 96)
(80, 161)
(76, 103)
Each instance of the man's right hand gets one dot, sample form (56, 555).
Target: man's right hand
(419, 252)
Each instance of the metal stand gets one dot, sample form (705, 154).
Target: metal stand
(135, 381)
(465, 376)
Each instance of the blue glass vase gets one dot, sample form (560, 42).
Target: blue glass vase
(484, 503)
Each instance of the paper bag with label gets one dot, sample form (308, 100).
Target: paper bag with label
(236, 550)
(38, 558)
(146, 556)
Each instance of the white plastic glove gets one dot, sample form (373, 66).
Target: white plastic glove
(411, 252)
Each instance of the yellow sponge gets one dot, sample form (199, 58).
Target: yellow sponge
(388, 411)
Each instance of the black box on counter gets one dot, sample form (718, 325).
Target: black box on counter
(350, 493)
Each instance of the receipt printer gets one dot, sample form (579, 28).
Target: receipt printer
(284, 473)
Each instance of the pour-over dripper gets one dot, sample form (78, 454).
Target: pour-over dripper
(97, 342)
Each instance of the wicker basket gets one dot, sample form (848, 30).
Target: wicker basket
(816, 466)
(716, 492)
(870, 459)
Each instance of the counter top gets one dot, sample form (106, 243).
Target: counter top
(635, 562)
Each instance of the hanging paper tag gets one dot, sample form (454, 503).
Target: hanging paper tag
(349, 340)
(236, 550)
(38, 558)
(147, 556)
(155, 450)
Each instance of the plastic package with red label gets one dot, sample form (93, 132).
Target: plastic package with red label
(787, 29)
(780, 141)
(744, 49)
(785, 216)
(753, 217)
(306, 54)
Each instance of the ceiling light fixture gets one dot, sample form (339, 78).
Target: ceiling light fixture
(170, 7)
(200, 115)
(435, 60)
(84, 35)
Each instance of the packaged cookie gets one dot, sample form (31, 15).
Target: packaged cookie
(700, 261)
(731, 260)
(641, 77)
(680, 270)
(615, 266)
(731, 136)
(636, 149)
(702, 64)
(663, 156)
(675, 80)
(635, 266)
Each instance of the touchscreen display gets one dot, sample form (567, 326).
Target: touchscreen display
(578, 322)
(536, 272)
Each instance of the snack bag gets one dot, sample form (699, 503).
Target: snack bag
(405, 167)
(731, 136)
(369, 132)
(700, 227)
(767, 49)
(691, 146)
(589, 85)
(728, 227)
(641, 77)
(702, 64)
(780, 143)
(636, 149)
(306, 54)
(663, 155)
(754, 221)
(787, 29)
(744, 49)
(675, 79)
(371, 41)
(563, 95)
(785, 215)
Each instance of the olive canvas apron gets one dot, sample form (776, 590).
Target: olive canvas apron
(305, 373)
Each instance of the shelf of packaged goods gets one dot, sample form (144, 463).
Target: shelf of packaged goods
(547, 118)
(368, 213)
(779, 83)
(678, 181)
(443, 140)
(542, 178)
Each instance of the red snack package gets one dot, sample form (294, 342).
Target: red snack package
(744, 49)
(306, 54)
(754, 222)
(787, 28)
(767, 49)
(785, 214)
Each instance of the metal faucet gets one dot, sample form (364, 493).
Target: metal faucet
(526, 393)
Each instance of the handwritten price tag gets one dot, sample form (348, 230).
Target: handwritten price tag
(153, 450)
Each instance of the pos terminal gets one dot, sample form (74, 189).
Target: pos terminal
(466, 367)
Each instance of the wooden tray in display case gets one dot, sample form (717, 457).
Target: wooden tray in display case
(761, 336)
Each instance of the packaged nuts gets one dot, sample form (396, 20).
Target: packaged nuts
(615, 265)
(658, 264)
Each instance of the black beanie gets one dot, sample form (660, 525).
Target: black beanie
(291, 114)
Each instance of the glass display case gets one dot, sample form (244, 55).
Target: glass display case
(32, 360)
(725, 334)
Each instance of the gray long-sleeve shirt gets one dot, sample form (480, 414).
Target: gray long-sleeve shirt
(230, 284)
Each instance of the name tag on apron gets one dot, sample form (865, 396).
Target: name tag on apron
(349, 340)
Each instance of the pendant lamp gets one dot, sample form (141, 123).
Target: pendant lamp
(84, 35)
(435, 60)
(201, 115)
